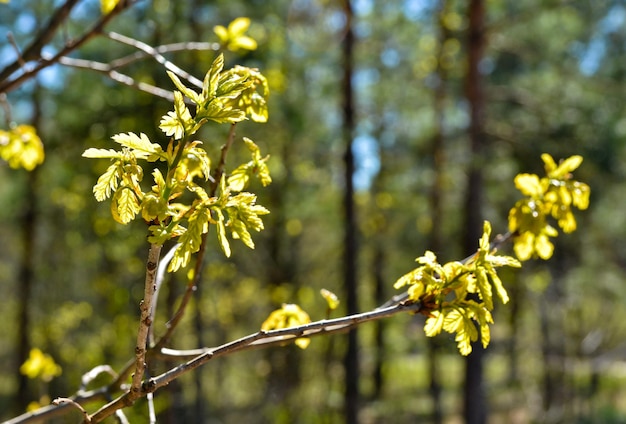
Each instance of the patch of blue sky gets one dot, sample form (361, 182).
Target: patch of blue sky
(367, 161)
(591, 55)
(416, 10)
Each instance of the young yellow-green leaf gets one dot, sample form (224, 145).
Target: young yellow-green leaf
(179, 122)
(211, 79)
(161, 233)
(192, 95)
(239, 231)
(406, 279)
(140, 145)
(240, 178)
(252, 92)
(221, 233)
(484, 288)
(106, 6)
(415, 291)
(544, 247)
(290, 315)
(331, 299)
(94, 153)
(108, 182)
(124, 205)
(234, 37)
(189, 243)
(580, 195)
(453, 321)
(524, 245)
(199, 162)
(549, 163)
(564, 168)
(40, 365)
(434, 324)
(497, 284)
(529, 185)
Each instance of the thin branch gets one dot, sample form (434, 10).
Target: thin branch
(252, 341)
(146, 318)
(61, 401)
(109, 71)
(160, 277)
(166, 48)
(6, 106)
(91, 375)
(156, 55)
(42, 63)
(33, 51)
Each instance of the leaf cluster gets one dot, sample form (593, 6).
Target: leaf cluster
(551, 196)
(447, 292)
(21, 147)
(185, 200)
(289, 315)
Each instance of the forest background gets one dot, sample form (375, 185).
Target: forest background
(551, 79)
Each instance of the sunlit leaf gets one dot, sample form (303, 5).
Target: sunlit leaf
(189, 243)
(529, 185)
(221, 233)
(108, 182)
(93, 153)
(543, 246)
(234, 37)
(434, 324)
(124, 205)
(331, 299)
(189, 93)
(106, 6)
(564, 168)
(290, 315)
(40, 365)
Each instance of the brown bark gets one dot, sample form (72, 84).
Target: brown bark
(351, 358)
(475, 405)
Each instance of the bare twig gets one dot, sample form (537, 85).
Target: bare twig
(7, 108)
(88, 377)
(160, 277)
(33, 52)
(166, 48)
(146, 318)
(109, 71)
(252, 341)
(60, 401)
(156, 55)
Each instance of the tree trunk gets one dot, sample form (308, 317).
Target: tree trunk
(351, 359)
(25, 282)
(435, 239)
(475, 405)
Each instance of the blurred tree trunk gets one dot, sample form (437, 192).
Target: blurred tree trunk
(25, 281)
(379, 262)
(283, 250)
(435, 239)
(351, 359)
(475, 405)
(26, 274)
